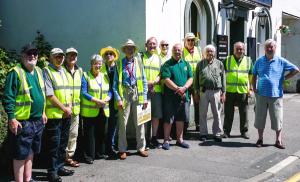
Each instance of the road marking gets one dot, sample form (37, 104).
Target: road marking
(282, 164)
(294, 178)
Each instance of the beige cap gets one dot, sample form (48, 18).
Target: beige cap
(129, 43)
(57, 51)
(71, 49)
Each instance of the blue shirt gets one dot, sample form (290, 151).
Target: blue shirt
(84, 90)
(270, 75)
(129, 78)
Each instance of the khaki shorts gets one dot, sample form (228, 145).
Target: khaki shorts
(275, 107)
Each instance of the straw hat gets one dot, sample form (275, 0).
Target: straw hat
(109, 49)
(129, 43)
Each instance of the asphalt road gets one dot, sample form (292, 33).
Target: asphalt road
(235, 159)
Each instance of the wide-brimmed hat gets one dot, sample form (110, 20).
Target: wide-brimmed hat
(129, 43)
(109, 49)
(57, 51)
(71, 49)
(28, 47)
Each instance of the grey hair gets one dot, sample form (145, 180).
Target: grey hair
(270, 42)
(210, 46)
(242, 43)
(96, 57)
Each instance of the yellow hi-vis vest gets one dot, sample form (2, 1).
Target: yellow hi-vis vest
(23, 100)
(62, 91)
(89, 108)
(139, 80)
(237, 76)
(192, 59)
(75, 86)
(152, 69)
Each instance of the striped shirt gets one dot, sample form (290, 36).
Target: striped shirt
(270, 75)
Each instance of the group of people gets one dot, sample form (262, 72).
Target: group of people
(110, 93)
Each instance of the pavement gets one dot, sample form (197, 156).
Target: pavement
(234, 159)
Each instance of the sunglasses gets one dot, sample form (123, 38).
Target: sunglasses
(109, 54)
(32, 52)
(164, 45)
(191, 40)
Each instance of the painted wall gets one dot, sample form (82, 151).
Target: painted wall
(165, 20)
(86, 25)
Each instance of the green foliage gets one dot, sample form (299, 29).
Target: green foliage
(44, 49)
(7, 61)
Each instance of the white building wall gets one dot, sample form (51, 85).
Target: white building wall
(165, 20)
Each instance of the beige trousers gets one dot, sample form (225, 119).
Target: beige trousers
(130, 109)
(73, 133)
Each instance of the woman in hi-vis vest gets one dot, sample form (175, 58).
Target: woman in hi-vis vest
(94, 109)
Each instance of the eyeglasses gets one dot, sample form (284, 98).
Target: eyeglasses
(32, 52)
(164, 45)
(190, 40)
(59, 56)
(109, 54)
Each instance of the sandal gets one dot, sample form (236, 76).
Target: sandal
(72, 163)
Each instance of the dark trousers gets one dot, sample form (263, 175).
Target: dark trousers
(57, 135)
(94, 135)
(240, 100)
(111, 130)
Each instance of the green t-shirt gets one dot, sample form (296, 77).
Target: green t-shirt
(11, 89)
(179, 72)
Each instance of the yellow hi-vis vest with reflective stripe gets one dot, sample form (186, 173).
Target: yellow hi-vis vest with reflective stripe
(192, 59)
(62, 91)
(23, 100)
(152, 69)
(88, 108)
(75, 86)
(237, 76)
(139, 80)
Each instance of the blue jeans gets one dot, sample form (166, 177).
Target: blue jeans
(57, 135)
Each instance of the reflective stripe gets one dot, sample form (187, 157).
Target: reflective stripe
(238, 71)
(152, 68)
(60, 87)
(193, 62)
(23, 103)
(23, 92)
(52, 106)
(75, 87)
(75, 103)
(236, 84)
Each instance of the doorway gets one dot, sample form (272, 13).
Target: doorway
(236, 32)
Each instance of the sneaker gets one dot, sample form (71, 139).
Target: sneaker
(203, 138)
(54, 178)
(245, 135)
(183, 144)
(166, 146)
(155, 143)
(218, 138)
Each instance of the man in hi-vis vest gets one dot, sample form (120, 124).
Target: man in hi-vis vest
(130, 90)
(152, 64)
(59, 112)
(24, 98)
(192, 55)
(74, 75)
(238, 69)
